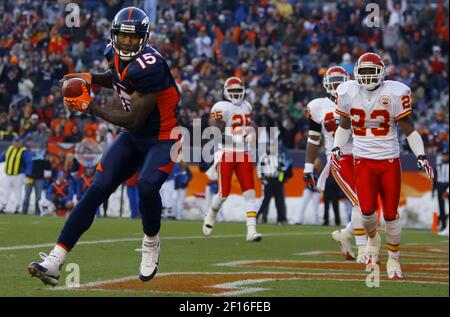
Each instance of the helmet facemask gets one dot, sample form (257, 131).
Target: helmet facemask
(369, 76)
(332, 81)
(235, 95)
(234, 90)
(119, 51)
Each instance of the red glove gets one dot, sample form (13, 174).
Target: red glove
(81, 103)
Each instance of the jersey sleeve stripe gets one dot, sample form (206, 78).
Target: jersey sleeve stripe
(402, 115)
(342, 113)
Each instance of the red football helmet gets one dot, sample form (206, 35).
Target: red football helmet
(375, 77)
(334, 76)
(234, 90)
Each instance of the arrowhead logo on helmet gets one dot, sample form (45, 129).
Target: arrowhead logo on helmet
(369, 71)
(234, 90)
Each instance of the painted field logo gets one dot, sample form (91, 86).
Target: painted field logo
(242, 283)
(429, 267)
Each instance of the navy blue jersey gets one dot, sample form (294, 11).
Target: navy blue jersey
(148, 72)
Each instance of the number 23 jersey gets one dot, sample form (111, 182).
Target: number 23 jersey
(373, 116)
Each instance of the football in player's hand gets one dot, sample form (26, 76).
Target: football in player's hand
(72, 87)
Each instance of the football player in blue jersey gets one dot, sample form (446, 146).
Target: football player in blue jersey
(149, 97)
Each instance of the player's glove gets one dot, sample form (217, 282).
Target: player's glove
(81, 103)
(424, 164)
(310, 181)
(336, 156)
(86, 76)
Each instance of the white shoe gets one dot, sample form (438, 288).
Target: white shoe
(208, 223)
(373, 250)
(48, 270)
(361, 257)
(443, 233)
(343, 239)
(254, 237)
(394, 271)
(150, 258)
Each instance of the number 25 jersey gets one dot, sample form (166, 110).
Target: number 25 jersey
(234, 116)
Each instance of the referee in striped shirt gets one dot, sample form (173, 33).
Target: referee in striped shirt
(18, 162)
(441, 186)
(271, 172)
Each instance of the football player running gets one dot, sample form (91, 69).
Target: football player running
(233, 117)
(373, 107)
(323, 121)
(149, 97)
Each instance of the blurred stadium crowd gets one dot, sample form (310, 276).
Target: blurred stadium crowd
(281, 48)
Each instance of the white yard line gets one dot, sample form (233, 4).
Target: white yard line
(46, 245)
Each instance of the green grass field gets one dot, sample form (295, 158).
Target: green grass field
(289, 261)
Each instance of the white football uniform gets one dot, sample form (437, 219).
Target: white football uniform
(322, 111)
(373, 117)
(234, 116)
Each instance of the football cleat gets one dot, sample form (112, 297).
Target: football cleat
(343, 239)
(394, 271)
(208, 223)
(48, 270)
(373, 250)
(254, 237)
(361, 257)
(150, 258)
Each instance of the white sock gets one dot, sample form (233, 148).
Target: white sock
(358, 228)
(217, 203)
(348, 228)
(370, 224)
(59, 253)
(150, 239)
(251, 229)
(393, 234)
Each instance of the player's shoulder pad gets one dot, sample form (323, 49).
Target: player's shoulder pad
(147, 63)
(348, 88)
(396, 88)
(109, 52)
(248, 104)
(316, 104)
(220, 106)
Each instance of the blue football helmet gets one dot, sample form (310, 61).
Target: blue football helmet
(130, 20)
